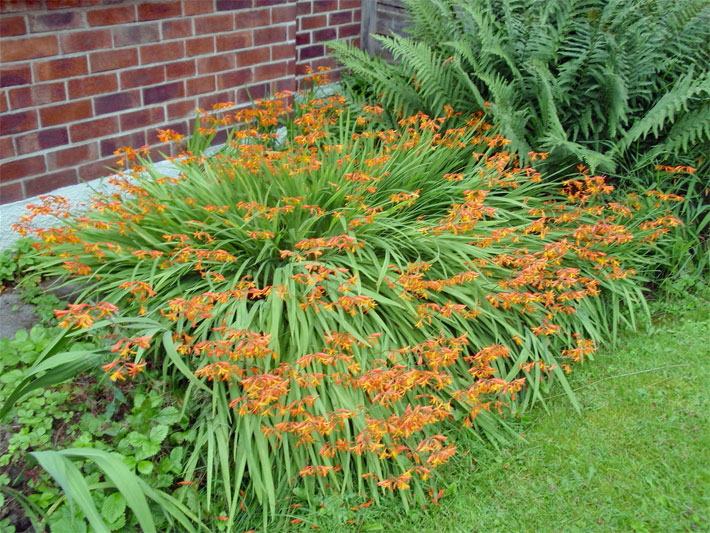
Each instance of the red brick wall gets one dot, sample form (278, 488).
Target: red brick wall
(81, 78)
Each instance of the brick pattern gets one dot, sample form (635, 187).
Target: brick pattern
(320, 21)
(82, 78)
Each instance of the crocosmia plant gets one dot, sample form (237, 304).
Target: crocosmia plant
(334, 305)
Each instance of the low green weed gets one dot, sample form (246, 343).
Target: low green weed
(146, 436)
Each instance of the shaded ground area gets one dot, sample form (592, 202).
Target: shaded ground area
(15, 314)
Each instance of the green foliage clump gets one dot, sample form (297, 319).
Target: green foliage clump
(145, 438)
(336, 308)
(596, 81)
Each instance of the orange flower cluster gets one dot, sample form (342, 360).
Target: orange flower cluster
(414, 285)
(676, 170)
(316, 246)
(329, 197)
(84, 315)
(125, 348)
(464, 217)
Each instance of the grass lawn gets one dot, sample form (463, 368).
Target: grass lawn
(636, 459)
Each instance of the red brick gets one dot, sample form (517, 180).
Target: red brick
(142, 118)
(202, 45)
(112, 103)
(35, 95)
(350, 4)
(21, 168)
(4, 106)
(12, 26)
(111, 15)
(180, 69)
(134, 140)
(15, 75)
(304, 8)
(274, 34)
(351, 30)
(206, 102)
(19, 49)
(198, 8)
(98, 169)
(18, 122)
(159, 10)
(207, 65)
(93, 129)
(283, 51)
(139, 77)
(65, 20)
(64, 4)
(254, 56)
(85, 41)
(177, 29)
(235, 78)
(357, 15)
(252, 19)
(72, 156)
(60, 68)
(61, 114)
(132, 34)
(253, 92)
(288, 84)
(327, 34)
(314, 21)
(213, 24)
(303, 38)
(161, 93)
(200, 85)
(233, 41)
(230, 5)
(341, 17)
(324, 5)
(91, 85)
(10, 6)
(11, 192)
(181, 109)
(309, 52)
(270, 71)
(160, 53)
(41, 140)
(50, 182)
(283, 14)
(113, 59)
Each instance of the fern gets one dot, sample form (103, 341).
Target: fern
(665, 110)
(587, 79)
(692, 129)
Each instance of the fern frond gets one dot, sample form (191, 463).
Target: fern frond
(384, 82)
(666, 108)
(595, 160)
(435, 79)
(688, 132)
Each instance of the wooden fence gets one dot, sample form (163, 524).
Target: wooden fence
(381, 17)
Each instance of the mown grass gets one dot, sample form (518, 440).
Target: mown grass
(636, 459)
